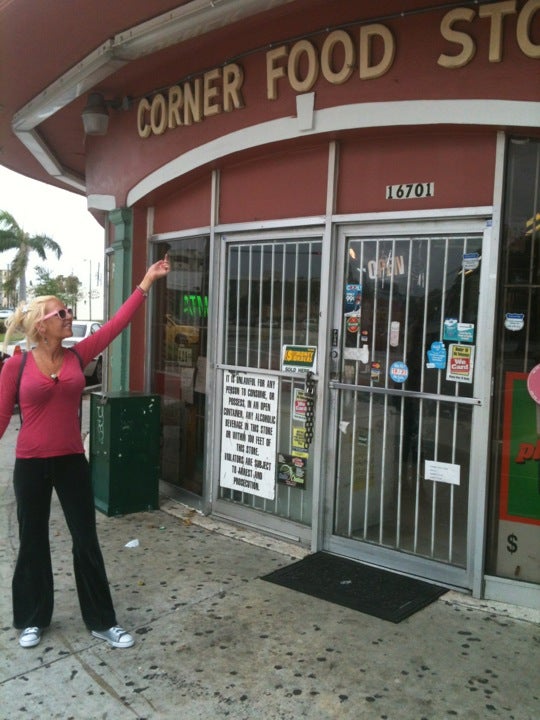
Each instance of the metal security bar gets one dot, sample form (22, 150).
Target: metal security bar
(397, 409)
(272, 299)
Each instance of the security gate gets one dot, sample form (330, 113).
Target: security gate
(271, 299)
(404, 396)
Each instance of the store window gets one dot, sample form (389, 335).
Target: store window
(514, 529)
(179, 332)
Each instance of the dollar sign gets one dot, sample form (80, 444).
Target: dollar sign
(512, 543)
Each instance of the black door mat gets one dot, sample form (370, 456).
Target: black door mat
(354, 585)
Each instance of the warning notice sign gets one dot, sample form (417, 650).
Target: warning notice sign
(248, 434)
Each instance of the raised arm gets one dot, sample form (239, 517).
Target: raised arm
(156, 271)
(96, 343)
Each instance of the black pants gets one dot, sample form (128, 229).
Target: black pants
(32, 586)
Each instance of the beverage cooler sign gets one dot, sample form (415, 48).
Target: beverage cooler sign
(248, 434)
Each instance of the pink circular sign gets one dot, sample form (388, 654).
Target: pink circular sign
(533, 384)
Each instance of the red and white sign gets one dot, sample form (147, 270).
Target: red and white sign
(460, 363)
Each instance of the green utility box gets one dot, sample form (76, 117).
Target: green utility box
(125, 451)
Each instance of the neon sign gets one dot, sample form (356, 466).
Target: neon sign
(194, 306)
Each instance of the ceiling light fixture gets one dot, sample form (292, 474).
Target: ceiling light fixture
(95, 115)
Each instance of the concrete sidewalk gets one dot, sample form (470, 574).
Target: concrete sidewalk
(215, 641)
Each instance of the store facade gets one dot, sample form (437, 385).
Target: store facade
(346, 344)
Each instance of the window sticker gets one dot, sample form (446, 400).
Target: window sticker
(455, 331)
(298, 441)
(353, 323)
(466, 332)
(353, 299)
(375, 371)
(436, 356)
(399, 372)
(442, 472)
(300, 405)
(299, 358)
(514, 321)
(470, 261)
(291, 471)
(460, 363)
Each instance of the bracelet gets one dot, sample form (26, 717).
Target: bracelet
(139, 288)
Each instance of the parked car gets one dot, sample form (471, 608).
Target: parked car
(179, 334)
(81, 329)
(5, 313)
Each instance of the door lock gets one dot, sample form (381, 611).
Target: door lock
(334, 355)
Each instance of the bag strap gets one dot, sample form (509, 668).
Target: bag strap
(72, 349)
(18, 384)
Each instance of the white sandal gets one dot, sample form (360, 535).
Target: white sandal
(116, 637)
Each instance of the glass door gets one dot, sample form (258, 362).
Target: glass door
(180, 322)
(404, 398)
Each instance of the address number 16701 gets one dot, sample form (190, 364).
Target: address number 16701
(410, 191)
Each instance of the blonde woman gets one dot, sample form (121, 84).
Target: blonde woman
(49, 454)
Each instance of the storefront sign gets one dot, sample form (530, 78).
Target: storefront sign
(367, 53)
(460, 363)
(299, 359)
(248, 434)
(520, 468)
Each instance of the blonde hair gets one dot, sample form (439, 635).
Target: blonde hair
(26, 318)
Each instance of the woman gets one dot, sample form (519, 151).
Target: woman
(49, 453)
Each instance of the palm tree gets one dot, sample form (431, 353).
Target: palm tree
(12, 236)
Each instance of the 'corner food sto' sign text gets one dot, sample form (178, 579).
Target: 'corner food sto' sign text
(301, 64)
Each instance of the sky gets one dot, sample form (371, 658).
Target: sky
(62, 215)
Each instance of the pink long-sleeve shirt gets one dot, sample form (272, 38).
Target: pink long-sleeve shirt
(50, 409)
